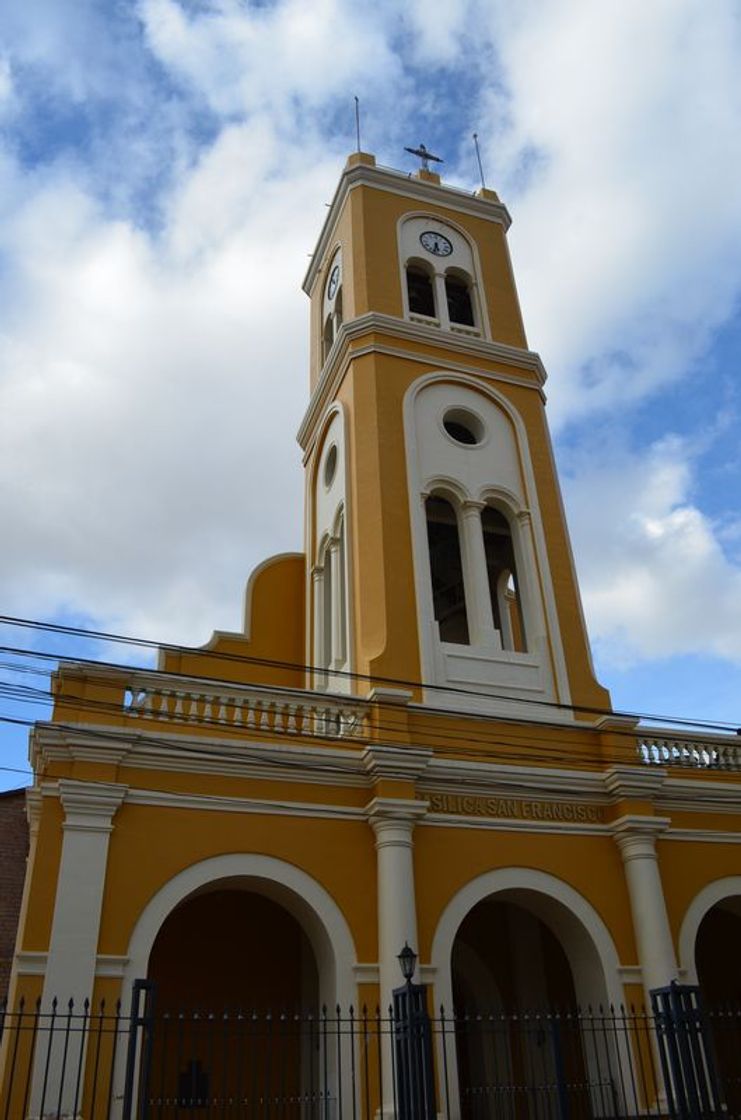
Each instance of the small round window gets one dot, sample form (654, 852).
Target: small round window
(330, 466)
(463, 426)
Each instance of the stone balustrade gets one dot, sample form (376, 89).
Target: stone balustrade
(666, 748)
(271, 711)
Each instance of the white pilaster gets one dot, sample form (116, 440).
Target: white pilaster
(338, 613)
(636, 838)
(476, 578)
(441, 300)
(393, 820)
(317, 584)
(70, 971)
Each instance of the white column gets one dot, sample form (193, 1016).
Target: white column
(476, 578)
(317, 583)
(441, 300)
(73, 947)
(636, 838)
(338, 622)
(393, 822)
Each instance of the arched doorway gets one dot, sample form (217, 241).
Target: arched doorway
(519, 1040)
(521, 957)
(236, 1006)
(229, 899)
(230, 948)
(719, 975)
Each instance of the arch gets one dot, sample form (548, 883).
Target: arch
(542, 673)
(583, 934)
(463, 262)
(420, 288)
(460, 299)
(703, 901)
(301, 895)
(447, 578)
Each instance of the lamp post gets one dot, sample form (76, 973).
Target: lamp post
(415, 1087)
(407, 959)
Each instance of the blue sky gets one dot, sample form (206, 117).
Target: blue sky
(163, 172)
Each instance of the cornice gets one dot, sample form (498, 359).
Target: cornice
(375, 322)
(395, 182)
(638, 825)
(496, 776)
(90, 806)
(232, 757)
(399, 810)
(401, 763)
(634, 782)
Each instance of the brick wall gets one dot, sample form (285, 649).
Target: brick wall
(13, 851)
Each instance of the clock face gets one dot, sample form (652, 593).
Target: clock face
(435, 243)
(334, 279)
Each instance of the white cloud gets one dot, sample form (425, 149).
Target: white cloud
(153, 369)
(655, 578)
(151, 391)
(627, 236)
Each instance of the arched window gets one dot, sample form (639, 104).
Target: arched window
(420, 291)
(327, 337)
(458, 296)
(446, 569)
(501, 570)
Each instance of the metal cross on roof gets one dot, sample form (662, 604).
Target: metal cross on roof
(422, 153)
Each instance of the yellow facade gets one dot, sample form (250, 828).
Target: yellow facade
(339, 778)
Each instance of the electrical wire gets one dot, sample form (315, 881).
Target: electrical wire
(101, 635)
(462, 744)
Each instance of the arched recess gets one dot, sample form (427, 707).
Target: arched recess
(495, 469)
(583, 934)
(712, 894)
(301, 895)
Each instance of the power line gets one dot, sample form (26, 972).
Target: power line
(122, 639)
(572, 752)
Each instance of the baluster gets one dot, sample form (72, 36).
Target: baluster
(306, 719)
(264, 717)
(164, 703)
(291, 725)
(222, 715)
(194, 697)
(250, 721)
(178, 710)
(279, 722)
(239, 710)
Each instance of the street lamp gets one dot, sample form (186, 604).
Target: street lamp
(407, 959)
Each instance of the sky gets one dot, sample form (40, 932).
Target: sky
(164, 170)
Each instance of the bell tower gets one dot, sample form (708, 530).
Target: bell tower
(438, 553)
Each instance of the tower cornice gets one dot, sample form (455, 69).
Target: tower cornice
(376, 323)
(358, 174)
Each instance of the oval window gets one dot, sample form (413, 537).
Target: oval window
(463, 426)
(330, 466)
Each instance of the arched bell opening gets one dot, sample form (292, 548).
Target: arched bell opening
(446, 571)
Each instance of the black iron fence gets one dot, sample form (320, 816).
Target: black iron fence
(155, 1064)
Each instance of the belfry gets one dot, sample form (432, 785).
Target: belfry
(403, 758)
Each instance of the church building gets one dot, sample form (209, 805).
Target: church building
(405, 745)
